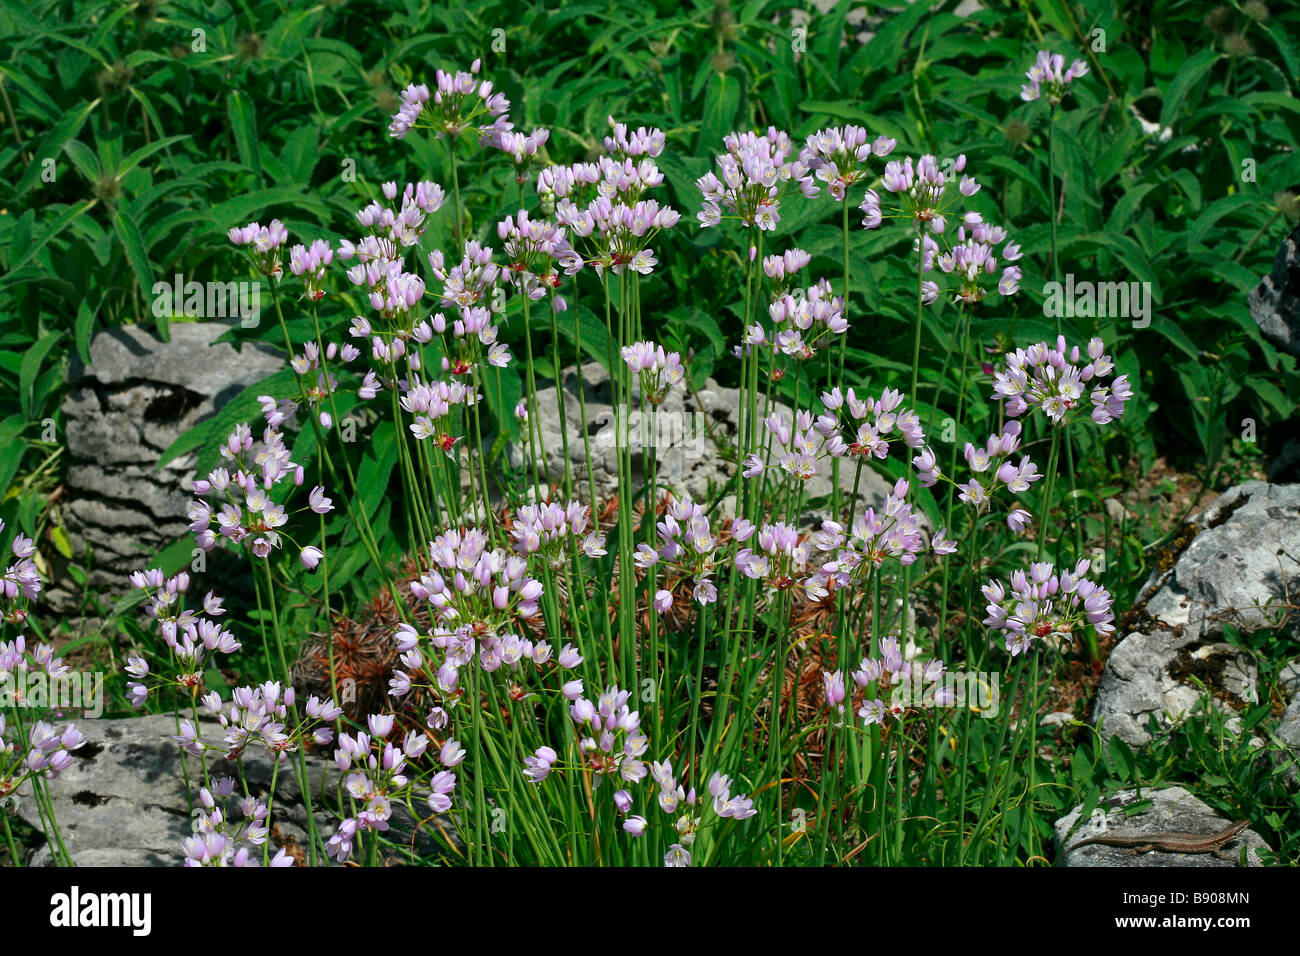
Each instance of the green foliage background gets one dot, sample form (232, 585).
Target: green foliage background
(136, 134)
(164, 124)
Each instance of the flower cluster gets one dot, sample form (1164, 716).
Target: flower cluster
(911, 682)
(432, 401)
(375, 776)
(496, 652)
(309, 264)
(248, 514)
(839, 156)
(473, 339)
(552, 530)
(795, 447)
(16, 662)
(1043, 603)
(992, 461)
(190, 636)
(603, 203)
(532, 247)
(220, 841)
(1049, 79)
(471, 586)
(774, 554)
(623, 143)
(522, 148)
(21, 582)
(317, 387)
(48, 752)
(469, 282)
(802, 319)
(1051, 379)
(972, 261)
(263, 244)
(673, 797)
(458, 103)
(612, 743)
(259, 716)
(390, 230)
(893, 532)
(752, 176)
(687, 548)
(657, 370)
(922, 190)
(871, 422)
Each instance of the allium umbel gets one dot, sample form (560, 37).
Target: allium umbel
(1042, 602)
(1051, 379)
(1049, 79)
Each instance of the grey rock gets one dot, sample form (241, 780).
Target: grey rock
(1288, 679)
(687, 432)
(1151, 674)
(1275, 302)
(124, 800)
(1240, 567)
(1288, 731)
(1173, 809)
(136, 397)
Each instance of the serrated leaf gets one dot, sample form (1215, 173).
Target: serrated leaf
(128, 233)
(243, 124)
(1189, 74)
(53, 144)
(31, 367)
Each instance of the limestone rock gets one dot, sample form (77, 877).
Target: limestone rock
(688, 432)
(1173, 809)
(124, 800)
(1238, 568)
(136, 397)
(1275, 302)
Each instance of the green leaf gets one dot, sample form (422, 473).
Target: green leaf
(243, 123)
(128, 233)
(376, 466)
(53, 144)
(502, 389)
(31, 367)
(12, 449)
(1213, 213)
(1191, 73)
(61, 222)
(34, 91)
(144, 152)
(721, 101)
(590, 333)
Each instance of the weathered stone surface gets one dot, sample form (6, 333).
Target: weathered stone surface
(688, 431)
(1150, 674)
(1275, 302)
(136, 397)
(1173, 809)
(1239, 568)
(124, 801)
(1288, 728)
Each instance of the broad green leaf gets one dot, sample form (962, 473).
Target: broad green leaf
(243, 124)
